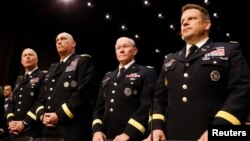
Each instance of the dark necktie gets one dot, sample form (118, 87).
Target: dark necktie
(61, 63)
(26, 76)
(60, 66)
(122, 69)
(192, 49)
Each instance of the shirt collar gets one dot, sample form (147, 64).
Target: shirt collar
(66, 58)
(127, 65)
(30, 72)
(199, 44)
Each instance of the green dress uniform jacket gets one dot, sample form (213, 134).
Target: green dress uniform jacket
(67, 92)
(21, 107)
(211, 87)
(123, 103)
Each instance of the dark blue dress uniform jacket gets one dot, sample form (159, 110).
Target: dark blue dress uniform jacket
(66, 91)
(123, 103)
(25, 94)
(211, 87)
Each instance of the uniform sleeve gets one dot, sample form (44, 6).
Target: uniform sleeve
(235, 107)
(138, 123)
(100, 107)
(31, 115)
(39, 104)
(160, 102)
(82, 94)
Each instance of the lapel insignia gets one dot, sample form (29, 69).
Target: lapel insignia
(206, 57)
(203, 49)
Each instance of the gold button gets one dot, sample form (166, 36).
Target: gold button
(184, 86)
(112, 100)
(184, 99)
(185, 75)
(187, 64)
(111, 110)
(115, 84)
(113, 91)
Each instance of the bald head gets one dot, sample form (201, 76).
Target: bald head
(125, 39)
(65, 44)
(65, 34)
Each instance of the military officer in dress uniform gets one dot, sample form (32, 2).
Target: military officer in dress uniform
(64, 107)
(20, 113)
(124, 98)
(211, 86)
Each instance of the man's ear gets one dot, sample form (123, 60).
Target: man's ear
(135, 51)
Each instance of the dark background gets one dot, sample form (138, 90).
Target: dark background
(35, 24)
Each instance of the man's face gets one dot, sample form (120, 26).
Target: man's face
(7, 91)
(125, 51)
(193, 24)
(65, 43)
(29, 59)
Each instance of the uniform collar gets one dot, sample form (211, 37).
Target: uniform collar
(199, 44)
(66, 58)
(127, 65)
(30, 72)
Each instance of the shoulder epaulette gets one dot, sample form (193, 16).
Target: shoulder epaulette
(20, 76)
(166, 56)
(108, 73)
(233, 42)
(85, 55)
(52, 64)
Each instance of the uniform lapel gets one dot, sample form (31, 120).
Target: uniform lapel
(24, 80)
(180, 55)
(113, 74)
